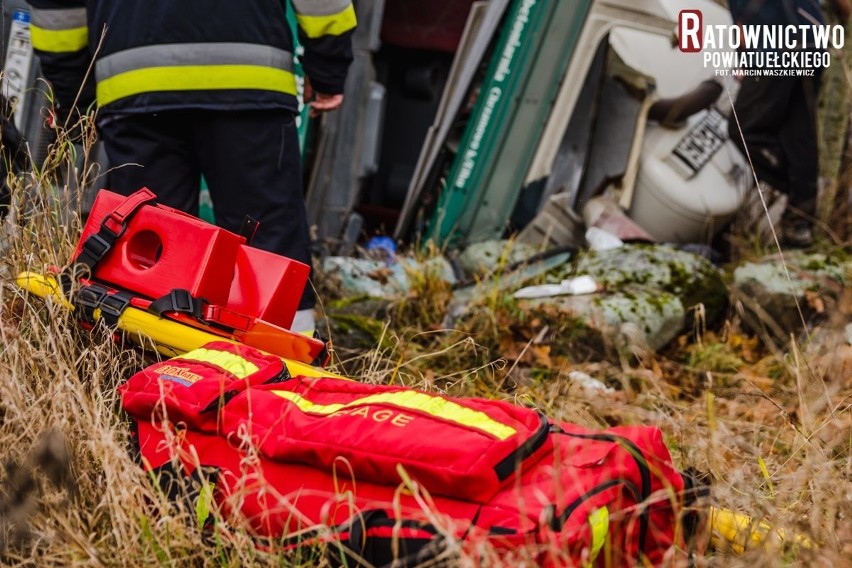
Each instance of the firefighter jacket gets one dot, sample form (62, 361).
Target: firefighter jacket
(144, 57)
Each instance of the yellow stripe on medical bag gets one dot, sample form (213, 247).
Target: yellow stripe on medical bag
(238, 366)
(411, 400)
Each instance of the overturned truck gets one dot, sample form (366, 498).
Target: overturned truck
(468, 121)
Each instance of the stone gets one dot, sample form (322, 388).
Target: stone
(486, 257)
(772, 296)
(379, 279)
(647, 299)
(690, 277)
(356, 323)
(631, 321)
(435, 267)
(364, 277)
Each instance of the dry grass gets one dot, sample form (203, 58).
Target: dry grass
(773, 429)
(71, 492)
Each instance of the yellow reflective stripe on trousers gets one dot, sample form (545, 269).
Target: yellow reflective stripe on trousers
(238, 366)
(599, 521)
(59, 41)
(328, 25)
(411, 400)
(194, 78)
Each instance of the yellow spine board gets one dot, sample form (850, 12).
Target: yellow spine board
(170, 338)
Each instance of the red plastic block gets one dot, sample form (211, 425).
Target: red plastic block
(267, 286)
(163, 249)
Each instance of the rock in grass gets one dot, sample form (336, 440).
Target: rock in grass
(630, 321)
(486, 257)
(356, 323)
(368, 288)
(364, 277)
(691, 278)
(377, 279)
(648, 295)
(771, 296)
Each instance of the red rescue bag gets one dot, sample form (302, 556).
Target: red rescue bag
(474, 446)
(383, 473)
(190, 388)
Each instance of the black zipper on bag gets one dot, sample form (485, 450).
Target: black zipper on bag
(509, 464)
(642, 464)
(217, 403)
(556, 523)
(283, 375)
(229, 395)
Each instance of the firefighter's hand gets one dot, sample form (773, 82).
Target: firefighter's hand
(320, 102)
(324, 103)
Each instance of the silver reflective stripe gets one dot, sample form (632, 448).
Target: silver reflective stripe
(66, 19)
(320, 7)
(178, 54)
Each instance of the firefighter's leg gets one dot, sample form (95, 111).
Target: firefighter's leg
(761, 110)
(799, 140)
(252, 165)
(154, 151)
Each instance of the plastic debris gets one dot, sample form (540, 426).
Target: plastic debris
(604, 213)
(587, 382)
(382, 248)
(599, 239)
(573, 286)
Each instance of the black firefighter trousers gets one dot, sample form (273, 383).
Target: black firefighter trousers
(250, 160)
(778, 118)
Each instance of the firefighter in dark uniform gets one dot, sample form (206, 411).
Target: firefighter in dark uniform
(777, 116)
(194, 87)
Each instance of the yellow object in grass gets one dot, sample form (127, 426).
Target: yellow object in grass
(739, 532)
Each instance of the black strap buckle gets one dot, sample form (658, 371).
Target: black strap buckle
(249, 228)
(179, 301)
(97, 245)
(183, 302)
(322, 357)
(108, 231)
(112, 307)
(87, 300)
(95, 248)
